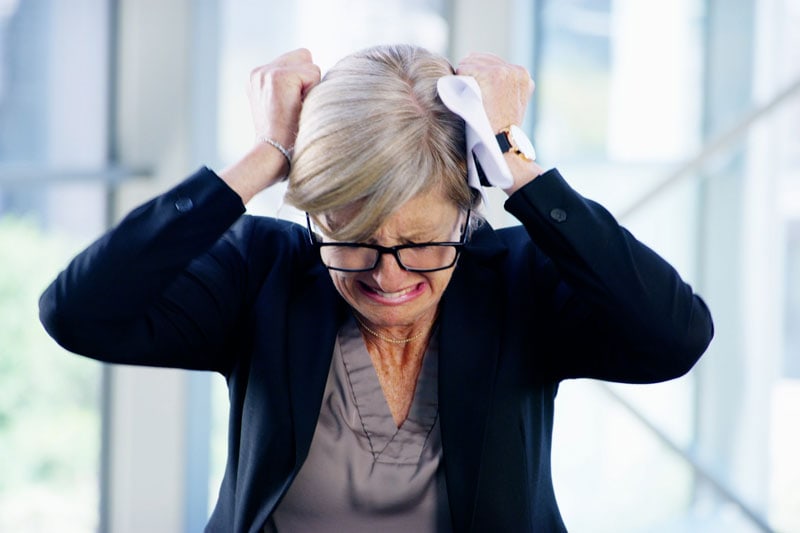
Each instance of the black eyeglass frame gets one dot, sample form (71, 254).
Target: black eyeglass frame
(393, 250)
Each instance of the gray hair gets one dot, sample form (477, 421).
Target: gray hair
(373, 134)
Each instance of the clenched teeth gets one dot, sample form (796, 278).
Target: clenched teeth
(391, 295)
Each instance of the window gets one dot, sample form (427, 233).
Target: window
(627, 93)
(53, 90)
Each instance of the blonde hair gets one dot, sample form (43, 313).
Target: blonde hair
(373, 134)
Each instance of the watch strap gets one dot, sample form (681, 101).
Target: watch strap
(481, 174)
(502, 140)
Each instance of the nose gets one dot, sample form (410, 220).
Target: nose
(389, 275)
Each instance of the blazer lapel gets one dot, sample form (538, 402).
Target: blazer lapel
(470, 321)
(314, 320)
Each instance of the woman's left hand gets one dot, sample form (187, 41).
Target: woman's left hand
(506, 90)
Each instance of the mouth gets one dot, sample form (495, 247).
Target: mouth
(392, 298)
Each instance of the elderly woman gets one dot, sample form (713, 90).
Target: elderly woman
(393, 364)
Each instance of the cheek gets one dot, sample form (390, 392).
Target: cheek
(344, 283)
(439, 281)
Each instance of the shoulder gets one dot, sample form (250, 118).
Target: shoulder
(260, 237)
(514, 256)
(510, 243)
(249, 227)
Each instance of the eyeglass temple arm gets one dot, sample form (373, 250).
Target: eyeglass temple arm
(311, 239)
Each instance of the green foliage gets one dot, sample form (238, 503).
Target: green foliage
(49, 415)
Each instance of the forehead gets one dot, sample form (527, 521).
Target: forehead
(429, 214)
(424, 218)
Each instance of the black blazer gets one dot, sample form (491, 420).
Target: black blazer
(186, 281)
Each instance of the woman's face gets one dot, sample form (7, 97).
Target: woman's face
(389, 296)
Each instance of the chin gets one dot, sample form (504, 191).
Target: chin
(396, 315)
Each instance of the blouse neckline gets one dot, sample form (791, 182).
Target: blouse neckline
(389, 443)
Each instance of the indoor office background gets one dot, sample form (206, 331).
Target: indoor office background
(682, 117)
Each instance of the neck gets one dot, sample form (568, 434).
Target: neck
(397, 344)
(397, 356)
(388, 338)
(415, 333)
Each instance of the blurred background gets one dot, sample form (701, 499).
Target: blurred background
(682, 117)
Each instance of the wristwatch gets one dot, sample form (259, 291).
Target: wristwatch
(513, 139)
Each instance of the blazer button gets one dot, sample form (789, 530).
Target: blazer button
(559, 215)
(184, 204)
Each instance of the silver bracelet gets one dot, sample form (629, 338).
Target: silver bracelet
(287, 153)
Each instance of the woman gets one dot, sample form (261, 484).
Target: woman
(393, 365)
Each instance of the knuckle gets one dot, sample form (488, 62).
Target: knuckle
(312, 71)
(277, 76)
(521, 72)
(261, 76)
(256, 73)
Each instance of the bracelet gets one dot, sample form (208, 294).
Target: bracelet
(286, 153)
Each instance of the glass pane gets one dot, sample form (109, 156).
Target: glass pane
(50, 114)
(620, 100)
(49, 399)
(617, 107)
(784, 435)
(53, 94)
(620, 80)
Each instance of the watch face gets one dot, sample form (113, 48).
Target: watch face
(522, 143)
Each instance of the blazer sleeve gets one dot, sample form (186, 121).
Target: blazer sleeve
(618, 311)
(163, 288)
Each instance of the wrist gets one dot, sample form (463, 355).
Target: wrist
(522, 171)
(285, 152)
(520, 155)
(262, 167)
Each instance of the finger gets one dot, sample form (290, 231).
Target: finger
(301, 75)
(295, 57)
(483, 58)
(299, 57)
(488, 61)
(493, 72)
(310, 80)
(302, 78)
(309, 74)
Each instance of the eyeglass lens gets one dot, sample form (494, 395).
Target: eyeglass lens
(364, 258)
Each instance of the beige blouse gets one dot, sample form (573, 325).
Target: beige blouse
(363, 473)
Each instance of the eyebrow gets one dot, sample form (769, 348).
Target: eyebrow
(415, 236)
(420, 236)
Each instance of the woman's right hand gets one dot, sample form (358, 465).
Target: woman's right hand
(276, 92)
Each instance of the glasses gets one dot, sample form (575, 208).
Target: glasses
(417, 257)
